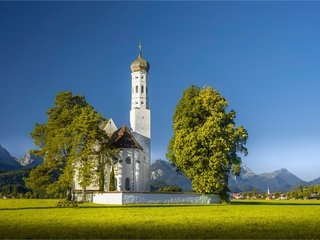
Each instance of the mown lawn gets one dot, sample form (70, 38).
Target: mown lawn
(241, 219)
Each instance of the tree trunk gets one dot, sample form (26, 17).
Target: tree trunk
(69, 194)
(84, 194)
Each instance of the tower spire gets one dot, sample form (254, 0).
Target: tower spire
(140, 48)
(140, 64)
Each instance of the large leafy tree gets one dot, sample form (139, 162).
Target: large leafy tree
(71, 139)
(206, 142)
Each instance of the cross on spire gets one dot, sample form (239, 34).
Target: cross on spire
(140, 47)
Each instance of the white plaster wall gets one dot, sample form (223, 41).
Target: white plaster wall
(145, 161)
(139, 99)
(169, 198)
(137, 170)
(110, 127)
(154, 198)
(107, 198)
(140, 121)
(93, 186)
(124, 170)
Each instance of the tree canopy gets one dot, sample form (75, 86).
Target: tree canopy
(206, 142)
(72, 138)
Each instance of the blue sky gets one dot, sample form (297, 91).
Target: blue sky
(263, 57)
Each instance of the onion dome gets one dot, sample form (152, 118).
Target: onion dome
(139, 64)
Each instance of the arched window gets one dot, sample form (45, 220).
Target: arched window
(128, 160)
(142, 90)
(137, 89)
(127, 184)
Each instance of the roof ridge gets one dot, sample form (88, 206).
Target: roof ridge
(124, 138)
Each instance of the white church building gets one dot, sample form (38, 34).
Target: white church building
(131, 166)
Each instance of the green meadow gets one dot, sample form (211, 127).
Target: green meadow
(20, 218)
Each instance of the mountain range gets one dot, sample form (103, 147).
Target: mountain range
(278, 181)
(9, 163)
(163, 174)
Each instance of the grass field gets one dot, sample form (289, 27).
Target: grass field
(241, 219)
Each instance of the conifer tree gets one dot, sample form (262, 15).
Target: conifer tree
(112, 186)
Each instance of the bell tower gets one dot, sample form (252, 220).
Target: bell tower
(140, 117)
(140, 112)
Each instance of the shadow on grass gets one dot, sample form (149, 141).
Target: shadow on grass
(114, 206)
(150, 206)
(261, 203)
(284, 203)
(26, 208)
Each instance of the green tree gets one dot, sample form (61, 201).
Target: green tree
(170, 189)
(206, 142)
(71, 139)
(95, 150)
(277, 195)
(254, 193)
(112, 186)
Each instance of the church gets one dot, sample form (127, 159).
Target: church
(132, 164)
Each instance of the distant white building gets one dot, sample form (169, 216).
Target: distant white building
(132, 165)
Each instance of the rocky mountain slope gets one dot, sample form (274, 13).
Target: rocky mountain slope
(163, 174)
(30, 160)
(7, 162)
(278, 181)
(315, 181)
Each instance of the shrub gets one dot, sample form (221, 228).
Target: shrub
(170, 189)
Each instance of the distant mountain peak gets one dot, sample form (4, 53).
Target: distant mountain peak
(30, 160)
(3, 150)
(246, 171)
(162, 174)
(7, 162)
